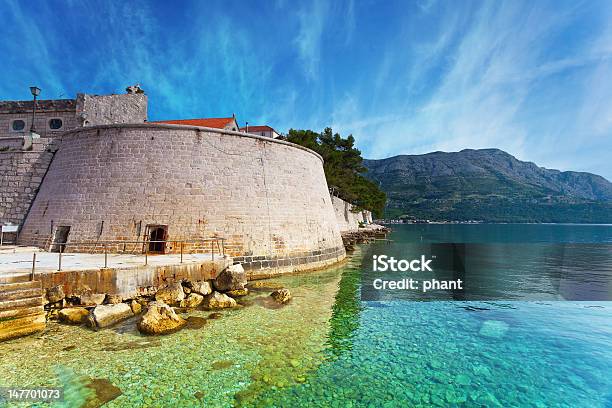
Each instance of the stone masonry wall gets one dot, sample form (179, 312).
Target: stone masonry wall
(267, 198)
(346, 218)
(111, 109)
(21, 173)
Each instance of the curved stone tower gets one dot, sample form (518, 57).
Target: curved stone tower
(267, 198)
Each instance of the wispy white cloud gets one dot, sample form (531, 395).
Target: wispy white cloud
(496, 68)
(312, 19)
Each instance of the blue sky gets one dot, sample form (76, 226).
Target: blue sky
(533, 78)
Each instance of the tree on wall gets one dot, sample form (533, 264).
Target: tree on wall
(343, 167)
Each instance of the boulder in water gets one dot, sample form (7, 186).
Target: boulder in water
(231, 278)
(160, 319)
(73, 315)
(201, 287)
(106, 315)
(171, 294)
(193, 300)
(281, 296)
(218, 300)
(238, 292)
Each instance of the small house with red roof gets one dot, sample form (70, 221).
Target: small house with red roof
(217, 123)
(265, 130)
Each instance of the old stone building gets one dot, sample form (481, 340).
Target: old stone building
(53, 117)
(25, 157)
(99, 172)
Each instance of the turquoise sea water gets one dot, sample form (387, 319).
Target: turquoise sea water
(330, 348)
(505, 354)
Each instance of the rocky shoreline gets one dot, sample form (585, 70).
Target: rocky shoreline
(161, 309)
(364, 235)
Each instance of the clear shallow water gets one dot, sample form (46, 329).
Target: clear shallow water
(329, 348)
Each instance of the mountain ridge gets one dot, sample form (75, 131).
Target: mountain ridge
(490, 185)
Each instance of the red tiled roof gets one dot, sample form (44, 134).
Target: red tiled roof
(264, 128)
(218, 123)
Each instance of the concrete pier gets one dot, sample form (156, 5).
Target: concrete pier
(124, 274)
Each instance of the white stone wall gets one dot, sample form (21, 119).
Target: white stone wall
(347, 219)
(268, 198)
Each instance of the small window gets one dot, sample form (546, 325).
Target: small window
(18, 125)
(55, 124)
(263, 133)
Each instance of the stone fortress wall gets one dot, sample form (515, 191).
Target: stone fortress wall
(347, 216)
(21, 172)
(267, 198)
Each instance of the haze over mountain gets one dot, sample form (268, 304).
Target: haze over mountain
(488, 185)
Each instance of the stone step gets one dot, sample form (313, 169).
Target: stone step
(20, 303)
(20, 294)
(9, 287)
(18, 322)
(22, 327)
(21, 312)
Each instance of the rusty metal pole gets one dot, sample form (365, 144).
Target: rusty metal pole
(59, 267)
(33, 265)
(105, 256)
(182, 251)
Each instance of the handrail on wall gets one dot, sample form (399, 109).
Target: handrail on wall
(105, 245)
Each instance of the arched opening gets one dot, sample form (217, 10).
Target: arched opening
(157, 233)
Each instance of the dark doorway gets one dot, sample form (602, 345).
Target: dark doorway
(157, 233)
(60, 238)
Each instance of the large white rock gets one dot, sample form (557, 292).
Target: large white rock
(73, 315)
(160, 319)
(193, 300)
(201, 287)
(107, 315)
(218, 300)
(231, 278)
(171, 294)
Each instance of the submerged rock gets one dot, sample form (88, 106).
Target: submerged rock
(231, 278)
(160, 319)
(281, 296)
(171, 294)
(238, 292)
(195, 322)
(218, 300)
(73, 315)
(193, 300)
(107, 315)
(103, 392)
(264, 285)
(494, 328)
(55, 294)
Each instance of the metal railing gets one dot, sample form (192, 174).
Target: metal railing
(140, 247)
